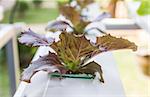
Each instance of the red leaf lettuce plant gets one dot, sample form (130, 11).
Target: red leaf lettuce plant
(73, 50)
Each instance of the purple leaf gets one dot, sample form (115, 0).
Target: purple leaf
(57, 26)
(30, 38)
(102, 16)
(49, 63)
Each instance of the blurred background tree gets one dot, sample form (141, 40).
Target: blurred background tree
(22, 8)
(37, 3)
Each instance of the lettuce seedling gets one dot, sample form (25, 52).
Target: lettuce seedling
(73, 50)
(72, 53)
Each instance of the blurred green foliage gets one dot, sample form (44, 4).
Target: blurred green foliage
(144, 8)
(2, 55)
(33, 15)
(37, 3)
(4, 82)
(25, 55)
(22, 8)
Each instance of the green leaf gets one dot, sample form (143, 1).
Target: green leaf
(144, 8)
(71, 49)
(91, 68)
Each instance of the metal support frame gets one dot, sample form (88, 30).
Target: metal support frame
(8, 38)
(11, 66)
